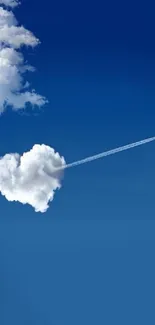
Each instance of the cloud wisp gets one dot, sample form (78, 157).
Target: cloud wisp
(14, 89)
(31, 178)
(10, 3)
(109, 153)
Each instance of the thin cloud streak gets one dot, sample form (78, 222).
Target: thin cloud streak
(109, 152)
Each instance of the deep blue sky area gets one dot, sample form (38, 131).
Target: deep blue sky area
(90, 258)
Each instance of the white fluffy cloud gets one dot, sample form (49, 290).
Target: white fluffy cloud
(14, 90)
(31, 178)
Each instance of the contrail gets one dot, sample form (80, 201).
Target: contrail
(108, 153)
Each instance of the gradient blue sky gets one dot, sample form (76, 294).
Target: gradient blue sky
(90, 258)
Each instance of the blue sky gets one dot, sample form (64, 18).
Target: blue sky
(89, 259)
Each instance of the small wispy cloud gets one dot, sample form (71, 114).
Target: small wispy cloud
(31, 178)
(10, 3)
(14, 90)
